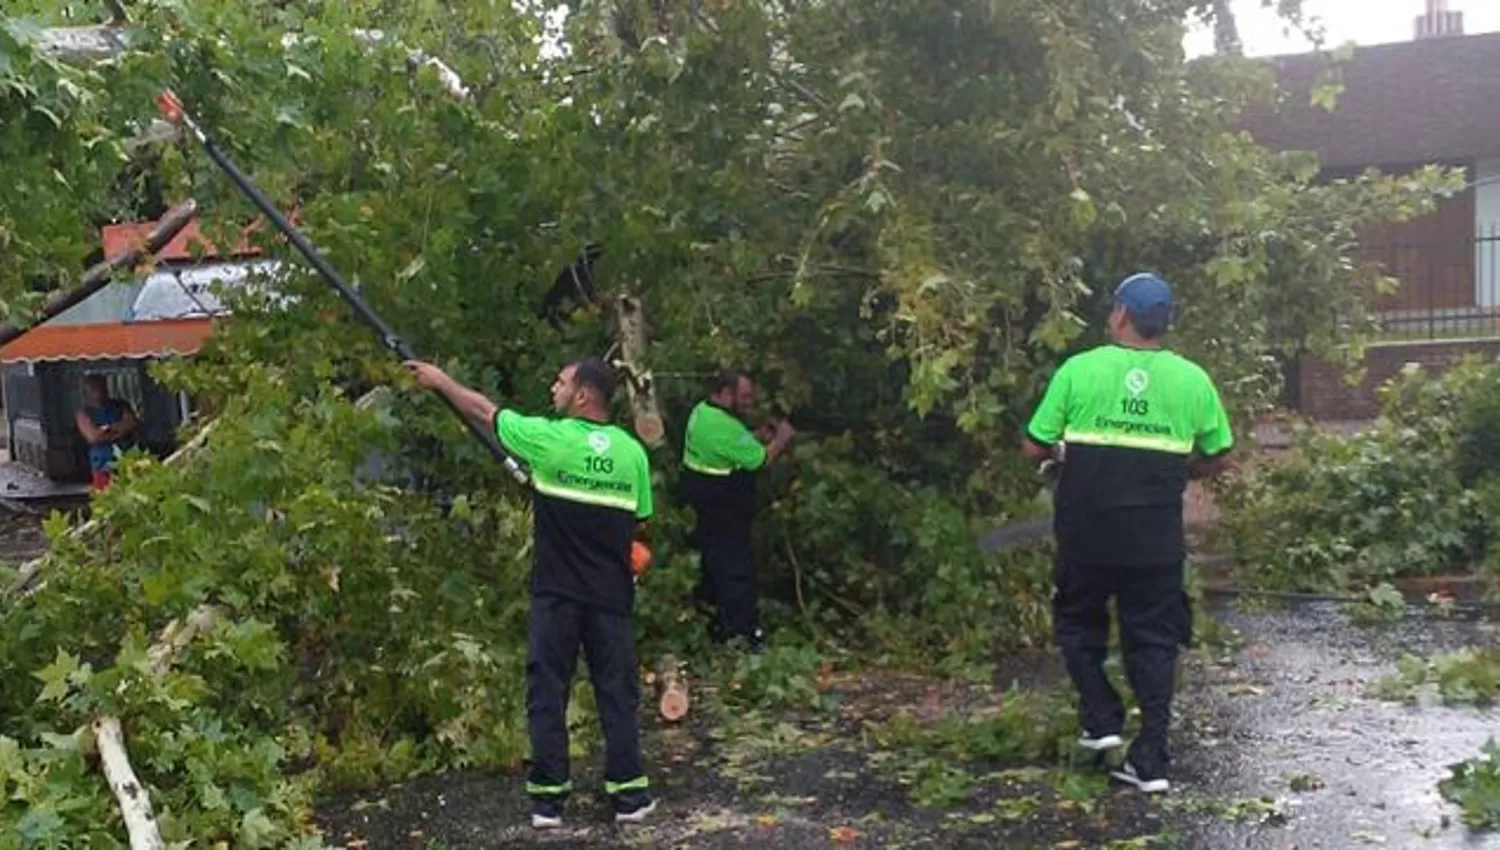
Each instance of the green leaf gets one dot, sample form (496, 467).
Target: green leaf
(59, 676)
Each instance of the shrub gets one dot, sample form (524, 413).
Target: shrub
(1411, 495)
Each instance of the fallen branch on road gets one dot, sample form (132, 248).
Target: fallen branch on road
(135, 803)
(109, 737)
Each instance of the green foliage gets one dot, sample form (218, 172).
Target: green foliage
(936, 761)
(1343, 512)
(363, 634)
(1383, 604)
(1411, 495)
(895, 568)
(1474, 785)
(1465, 677)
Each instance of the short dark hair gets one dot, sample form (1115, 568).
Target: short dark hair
(94, 379)
(724, 379)
(595, 374)
(1150, 324)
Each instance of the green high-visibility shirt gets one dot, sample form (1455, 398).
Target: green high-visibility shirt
(591, 484)
(719, 444)
(720, 458)
(1129, 419)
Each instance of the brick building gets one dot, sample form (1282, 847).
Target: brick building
(1432, 100)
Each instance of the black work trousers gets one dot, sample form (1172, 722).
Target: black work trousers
(1155, 620)
(558, 626)
(728, 580)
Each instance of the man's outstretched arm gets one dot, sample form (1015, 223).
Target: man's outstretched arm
(471, 403)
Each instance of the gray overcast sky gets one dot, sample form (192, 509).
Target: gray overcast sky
(1360, 21)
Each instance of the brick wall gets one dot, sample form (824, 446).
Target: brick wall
(1324, 393)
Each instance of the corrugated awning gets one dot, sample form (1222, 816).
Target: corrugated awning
(109, 341)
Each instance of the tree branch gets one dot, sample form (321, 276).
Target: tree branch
(99, 276)
(135, 804)
(631, 338)
(109, 737)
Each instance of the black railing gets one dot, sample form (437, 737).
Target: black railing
(1450, 288)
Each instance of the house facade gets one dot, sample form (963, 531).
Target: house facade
(1432, 100)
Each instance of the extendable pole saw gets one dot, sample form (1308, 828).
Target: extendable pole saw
(172, 110)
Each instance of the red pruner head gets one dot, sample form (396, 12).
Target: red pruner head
(170, 107)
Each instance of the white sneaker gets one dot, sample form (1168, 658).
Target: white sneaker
(546, 815)
(1127, 773)
(636, 812)
(1100, 744)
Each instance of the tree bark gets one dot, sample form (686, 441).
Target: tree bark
(135, 804)
(631, 337)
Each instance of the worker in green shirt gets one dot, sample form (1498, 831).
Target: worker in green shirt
(592, 491)
(1131, 423)
(721, 457)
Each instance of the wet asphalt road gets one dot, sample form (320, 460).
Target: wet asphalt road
(1294, 703)
(1291, 702)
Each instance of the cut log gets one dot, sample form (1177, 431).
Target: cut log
(671, 689)
(135, 804)
(632, 340)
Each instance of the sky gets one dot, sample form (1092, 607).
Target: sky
(1364, 22)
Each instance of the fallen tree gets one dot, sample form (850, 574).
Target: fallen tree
(897, 220)
(109, 737)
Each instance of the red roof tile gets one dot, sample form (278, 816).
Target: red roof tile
(118, 237)
(1431, 100)
(110, 340)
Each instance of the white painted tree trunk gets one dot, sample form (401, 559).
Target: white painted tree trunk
(135, 804)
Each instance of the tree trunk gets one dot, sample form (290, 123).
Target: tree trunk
(631, 337)
(1226, 30)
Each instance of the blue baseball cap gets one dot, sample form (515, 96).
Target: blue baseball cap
(1146, 298)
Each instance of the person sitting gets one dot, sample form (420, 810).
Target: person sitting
(108, 424)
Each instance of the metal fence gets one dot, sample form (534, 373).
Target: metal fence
(1450, 288)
